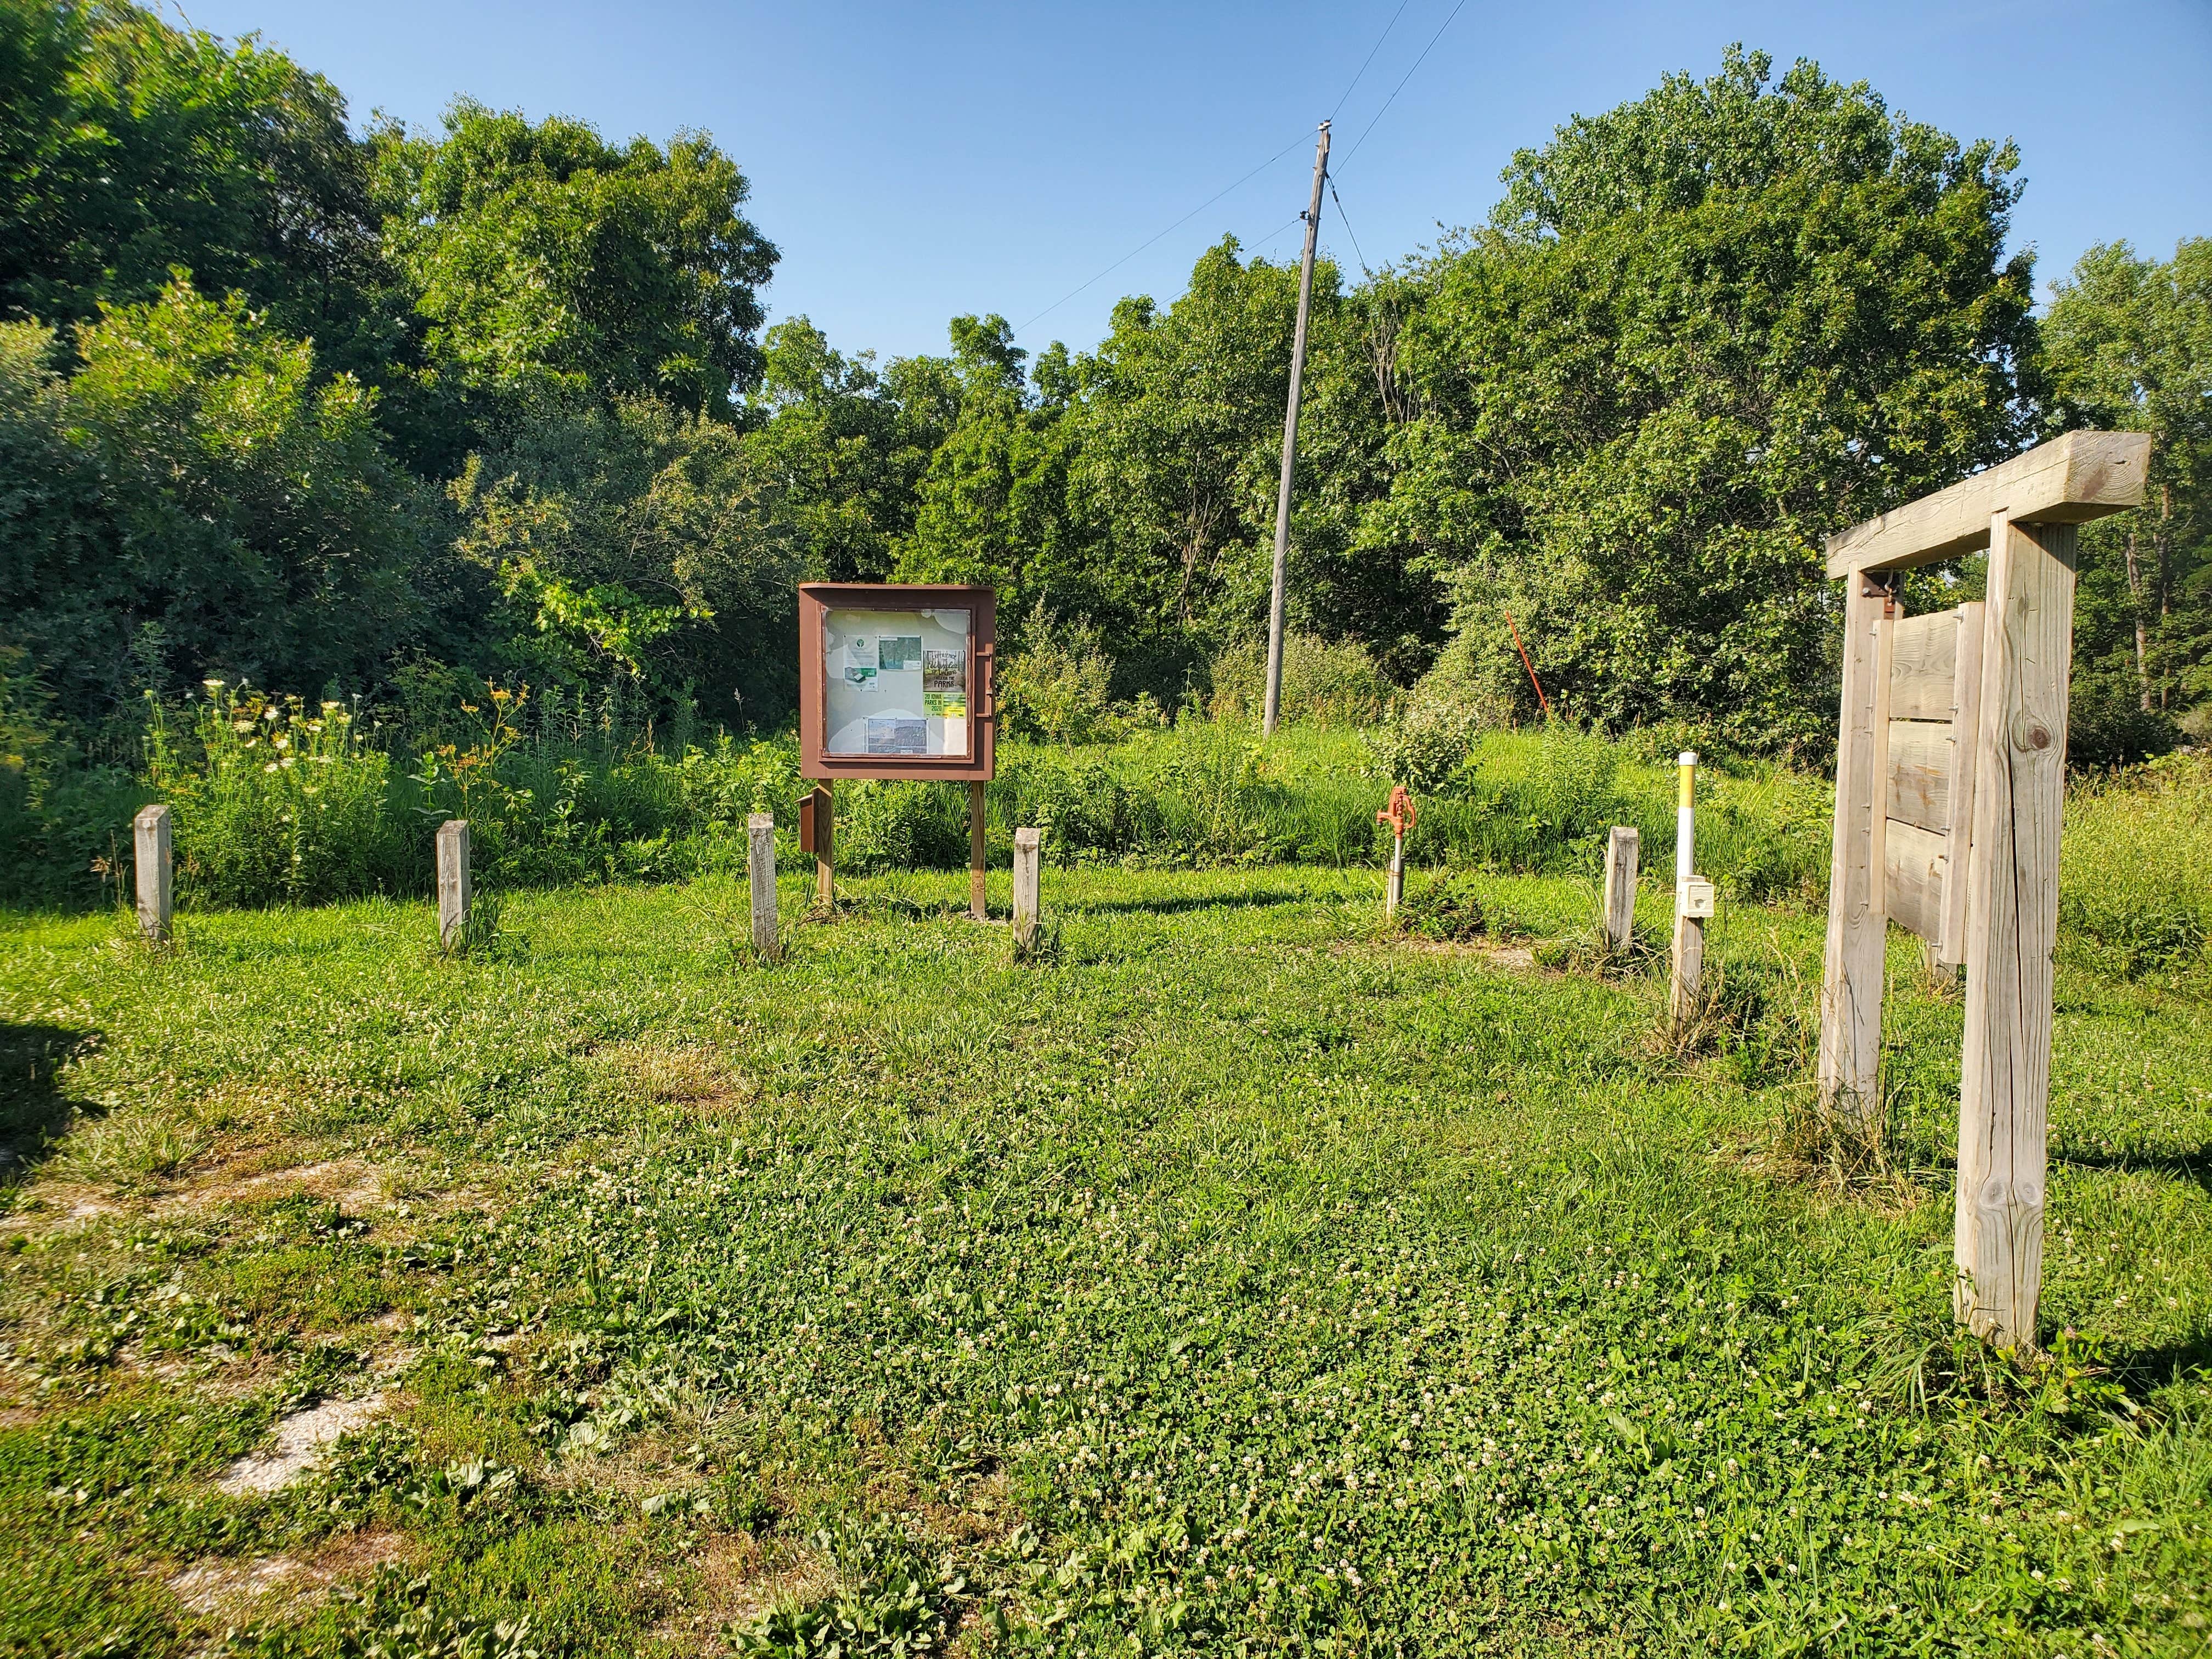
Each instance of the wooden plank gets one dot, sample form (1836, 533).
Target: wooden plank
(152, 865)
(1851, 985)
(454, 883)
(1914, 865)
(2012, 924)
(1920, 773)
(1951, 947)
(1027, 904)
(1923, 667)
(977, 910)
(760, 879)
(825, 845)
(1617, 928)
(2069, 480)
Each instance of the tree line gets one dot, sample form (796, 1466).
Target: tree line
(398, 412)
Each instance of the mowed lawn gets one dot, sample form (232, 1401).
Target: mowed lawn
(1243, 1279)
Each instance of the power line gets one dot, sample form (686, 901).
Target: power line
(1348, 230)
(1372, 51)
(1178, 225)
(1400, 87)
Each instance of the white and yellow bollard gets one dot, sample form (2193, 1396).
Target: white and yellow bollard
(1694, 896)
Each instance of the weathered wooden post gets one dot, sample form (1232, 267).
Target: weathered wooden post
(1027, 908)
(977, 909)
(150, 866)
(452, 884)
(816, 826)
(760, 877)
(1693, 900)
(1617, 922)
(1953, 830)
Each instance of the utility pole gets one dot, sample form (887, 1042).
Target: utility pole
(1291, 443)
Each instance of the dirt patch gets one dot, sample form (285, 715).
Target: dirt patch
(699, 1077)
(349, 1180)
(216, 1586)
(299, 1442)
(736, 1580)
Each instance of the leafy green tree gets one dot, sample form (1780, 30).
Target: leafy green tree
(991, 506)
(2128, 345)
(540, 250)
(198, 499)
(1701, 332)
(129, 147)
(638, 542)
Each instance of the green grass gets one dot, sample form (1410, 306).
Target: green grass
(1245, 1279)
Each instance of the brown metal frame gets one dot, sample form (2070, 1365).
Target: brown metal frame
(983, 605)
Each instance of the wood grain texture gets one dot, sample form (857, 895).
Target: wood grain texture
(1687, 983)
(154, 872)
(2012, 923)
(2069, 480)
(1028, 899)
(1623, 848)
(1951, 947)
(759, 879)
(452, 882)
(1923, 666)
(1915, 862)
(1919, 781)
(1850, 985)
(977, 909)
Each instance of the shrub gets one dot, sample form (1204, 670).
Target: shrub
(1331, 684)
(1060, 686)
(1447, 907)
(1422, 744)
(900, 826)
(276, 802)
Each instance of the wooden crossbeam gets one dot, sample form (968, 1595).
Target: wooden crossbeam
(2069, 480)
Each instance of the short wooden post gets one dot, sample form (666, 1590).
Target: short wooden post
(1693, 900)
(1617, 925)
(1858, 914)
(760, 876)
(825, 841)
(452, 882)
(976, 908)
(1027, 908)
(2012, 926)
(150, 865)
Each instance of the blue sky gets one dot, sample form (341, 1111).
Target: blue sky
(915, 161)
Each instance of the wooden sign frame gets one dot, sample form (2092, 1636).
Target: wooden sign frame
(2002, 805)
(816, 599)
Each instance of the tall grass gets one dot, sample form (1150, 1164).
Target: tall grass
(2135, 869)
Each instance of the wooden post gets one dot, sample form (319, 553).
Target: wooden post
(2012, 925)
(760, 876)
(825, 843)
(976, 908)
(150, 865)
(1617, 925)
(1858, 917)
(1965, 738)
(1027, 908)
(452, 882)
(1694, 901)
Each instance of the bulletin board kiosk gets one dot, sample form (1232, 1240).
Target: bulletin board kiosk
(895, 682)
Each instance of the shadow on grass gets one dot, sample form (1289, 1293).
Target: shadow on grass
(34, 1110)
(2196, 1166)
(1162, 907)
